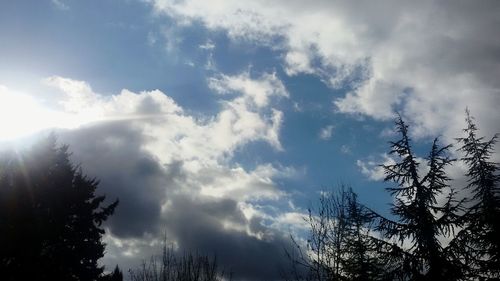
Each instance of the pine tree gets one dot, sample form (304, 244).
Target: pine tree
(421, 221)
(50, 216)
(481, 235)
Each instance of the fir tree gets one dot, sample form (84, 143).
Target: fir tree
(480, 238)
(421, 221)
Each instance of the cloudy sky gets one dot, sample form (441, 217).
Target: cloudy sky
(219, 122)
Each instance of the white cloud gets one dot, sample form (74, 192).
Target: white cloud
(209, 45)
(326, 132)
(244, 118)
(79, 93)
(372, 169)
(204, 146)
(292, 220)
(346, 149)
(258, 91)
(239, 184)
(81, 102)
(430, 59)
(147, 137)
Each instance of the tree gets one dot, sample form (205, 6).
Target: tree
(479, 240)
(421, 221)
(362, 260)
(50, 217)
(116, 275)
(172, 267)
(340, 245)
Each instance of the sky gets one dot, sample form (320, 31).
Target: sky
(218, 123)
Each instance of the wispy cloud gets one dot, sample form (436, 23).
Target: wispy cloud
(345, 149)
(372, 169)
(209, 45)
(60, 4)
(326, 132)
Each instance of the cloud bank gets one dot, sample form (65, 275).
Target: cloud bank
(428, 60)
(174, 173)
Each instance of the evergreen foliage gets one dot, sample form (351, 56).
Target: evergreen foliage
(50, 217)
(478, 243)
(421, 220)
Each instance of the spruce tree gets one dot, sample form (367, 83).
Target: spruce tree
(480, 238)
(420, 220)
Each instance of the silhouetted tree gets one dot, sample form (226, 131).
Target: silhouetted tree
(172, 267)
(421, 220)
(340, 245)
(479, 241)
(115, 275)
(50, 216)
(361, 260)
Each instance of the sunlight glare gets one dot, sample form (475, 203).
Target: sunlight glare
(21, 115)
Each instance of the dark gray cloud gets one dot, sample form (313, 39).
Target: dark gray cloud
(198, 224)
(112, 152)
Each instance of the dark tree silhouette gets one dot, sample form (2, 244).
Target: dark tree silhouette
(421, 221)
(343, 245)
(478, 242)
(362, 260)
(340, 245)
(171, 266)
(115, 275)
(50, 216)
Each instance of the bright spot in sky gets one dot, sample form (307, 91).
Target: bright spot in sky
(21, 115)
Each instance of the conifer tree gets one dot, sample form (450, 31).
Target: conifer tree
(50, 216)
(420, 220)
(480, 237)
(117, 275)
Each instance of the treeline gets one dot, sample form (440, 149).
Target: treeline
(51, 222)
(436, 232)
